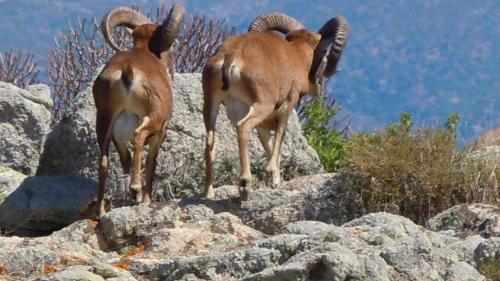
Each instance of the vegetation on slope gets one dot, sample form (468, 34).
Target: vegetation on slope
(413, 171)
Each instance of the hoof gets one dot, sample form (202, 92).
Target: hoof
(209, 195)
(100, 214)
(276, 182)
(136, 193)
(146, 200)
(244, 193)
(94, 211)
(244, 188)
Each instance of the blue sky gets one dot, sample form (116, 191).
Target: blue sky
(429, 58)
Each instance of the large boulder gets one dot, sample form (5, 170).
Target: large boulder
(199, 242)
(160, 230)
(468, 219)
(182, 152)
(378, 246)
(330, 198)
(74, 275)
(26, 260)
(44, 204)
(9, 180)
(333, 198)
(25, 117)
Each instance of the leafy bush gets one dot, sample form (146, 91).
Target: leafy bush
(420, 172)
(321, 131)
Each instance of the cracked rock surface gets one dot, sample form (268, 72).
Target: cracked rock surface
(199, 239)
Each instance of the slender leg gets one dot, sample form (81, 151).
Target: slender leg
(140, 136)
(210, 112)
(265, 139)
(154, 148)
(103, 129)
(273, 166)
(274, 162)
(256, 114)
(125, 158)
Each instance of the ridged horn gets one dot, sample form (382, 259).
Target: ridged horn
(121, 16)
(166, 33)
(335, 31)
(275, 21)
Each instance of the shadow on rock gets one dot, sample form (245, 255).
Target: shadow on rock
(44, 204)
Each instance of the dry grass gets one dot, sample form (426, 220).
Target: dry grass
(421, 172)
(490, 270)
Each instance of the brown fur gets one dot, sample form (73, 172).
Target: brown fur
(136, 82)
(268, 74)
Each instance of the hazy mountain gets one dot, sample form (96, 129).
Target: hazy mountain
(429, 58)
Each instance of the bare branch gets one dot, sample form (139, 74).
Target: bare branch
(199, 38)
(18, 68)
(81, 49)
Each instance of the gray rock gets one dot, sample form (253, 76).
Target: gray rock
(39, 93)
(287, 244)
(487, 251)
(81, 231)
(132, 225)
(161, 242)
(108, 271)
(328, 262)
(468, 219)
(465, 247)
(182, 152)
(330, 198)
(196, 213)
(25, 119)
(45, 204)
(122, 279)
(9, 181)
(309, 228)
(378, 246)
(464, 272)
(74, 275)
(27, 260)
(216, 266)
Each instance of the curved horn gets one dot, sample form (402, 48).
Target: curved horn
(166, 33)
(275, 21)
(121, 16)
(335, 31)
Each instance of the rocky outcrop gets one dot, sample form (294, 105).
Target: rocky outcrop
(44, 204)
(309, 228)
(283, 234)
(182, 152)
(9, 181)
(25, 117)
(468, 219)
(167, 242)
(330, 198)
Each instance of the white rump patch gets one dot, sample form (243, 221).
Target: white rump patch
(124, 127)
(236, 110)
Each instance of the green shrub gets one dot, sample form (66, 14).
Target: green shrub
(420, 172)
(322, 135)
(490, 270)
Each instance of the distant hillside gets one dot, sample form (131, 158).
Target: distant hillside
(429, 58)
